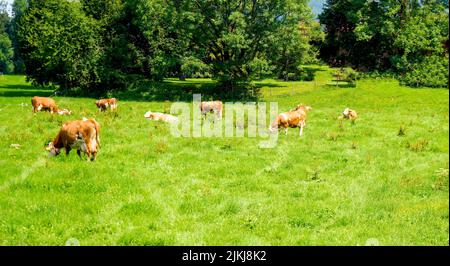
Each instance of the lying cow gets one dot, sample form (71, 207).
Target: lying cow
(349, 114)
(64, 112)
(103, 104)
(81, 135)
(211, 107)
(160, 116)
(294, 118)
(43, 104)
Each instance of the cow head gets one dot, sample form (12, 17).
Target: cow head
(303, 107)
(52, 150)
(346, 112)
(148, 115)
(273, 129)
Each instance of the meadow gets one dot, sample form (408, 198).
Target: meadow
(383, 178)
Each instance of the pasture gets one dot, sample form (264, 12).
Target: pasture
(385, 177)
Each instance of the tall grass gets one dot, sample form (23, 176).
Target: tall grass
(340, 184)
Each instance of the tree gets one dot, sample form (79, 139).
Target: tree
(407, 37)
(415, 33)
(341, 47)
(6, 51)
(231, 34)
(296, 48)
(18, 9)
(59, 44)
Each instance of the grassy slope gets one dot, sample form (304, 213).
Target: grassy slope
(338, 185)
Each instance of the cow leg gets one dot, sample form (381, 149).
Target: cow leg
(285, 130)
(301, 130)
(67, 150)
(79, 154)
(94, 156)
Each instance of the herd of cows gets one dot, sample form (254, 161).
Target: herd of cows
(84, 135)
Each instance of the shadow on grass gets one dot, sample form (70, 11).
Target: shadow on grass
(340, 85)
(26, 93)
(174, 90)
(22, 87)
(164, 91)
(267, 84)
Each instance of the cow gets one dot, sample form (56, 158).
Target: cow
(294, 118)
(103, 104)
(349, 114)
(43, 104)
(64, 112)
(211, 107)
(81, 135)
(160, 116)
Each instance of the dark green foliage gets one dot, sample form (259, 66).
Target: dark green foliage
(192, 67)
(431, 71)
(292, 48)
(18, 9)
(6, 50)
(59, 44)
(409, 38)
(105, 45)
(235, 36)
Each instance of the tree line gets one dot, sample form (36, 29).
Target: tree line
(102, 45)
(106, 44)
(406, 38)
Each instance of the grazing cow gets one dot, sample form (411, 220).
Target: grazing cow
(82, 135)
(349, 114)
(294, 118)
(43, 104)
(211, 107)
(160, 116)
(103, 104)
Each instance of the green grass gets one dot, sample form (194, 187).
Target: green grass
(340, 184)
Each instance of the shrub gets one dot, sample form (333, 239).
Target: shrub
(193, 67)
(432, 71)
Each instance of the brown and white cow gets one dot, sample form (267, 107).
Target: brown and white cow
(104, 104)
(211, 107)
(349, 114)
(64, 112)
(161, 116)
(43, 104)
(81, 135)
(294, 118)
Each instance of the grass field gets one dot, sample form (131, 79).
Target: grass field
(337, 185)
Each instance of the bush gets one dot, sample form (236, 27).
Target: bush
(432, 71)
(192, 67)
(301, 74)
(292, 76)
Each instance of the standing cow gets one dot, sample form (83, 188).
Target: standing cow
(81, 135)
(103, 104)
(211, 107)
(43, 104)
(294, 118)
